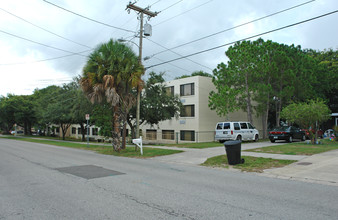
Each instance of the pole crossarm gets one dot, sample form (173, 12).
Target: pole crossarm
(141, 10)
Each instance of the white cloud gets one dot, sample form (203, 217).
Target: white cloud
(210, 18)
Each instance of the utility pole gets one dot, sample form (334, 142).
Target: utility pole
(150, 14)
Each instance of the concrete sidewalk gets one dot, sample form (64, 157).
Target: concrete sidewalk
(195, 156)
(320, 168)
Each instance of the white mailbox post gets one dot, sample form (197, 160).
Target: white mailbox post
(138, 142)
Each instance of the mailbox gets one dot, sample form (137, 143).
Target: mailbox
(138, 142)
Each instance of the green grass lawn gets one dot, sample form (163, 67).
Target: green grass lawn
(201, 145)
(193, 145)
(103, 149)
(251, 164)
(301, 148)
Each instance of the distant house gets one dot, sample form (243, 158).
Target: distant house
(197, 123)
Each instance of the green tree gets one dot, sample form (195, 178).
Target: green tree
(103, 118)
(235, 81)
(7, 117)
(81, 107)
(196, 73)
(268, 74)
(308, 115)
(111, 72)
(266, 71)
(60, 110)
(24, 112)
(19, 110)
(41, 99)
(326, 84)
(157, 104)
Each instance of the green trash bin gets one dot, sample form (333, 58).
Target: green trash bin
(233, 151)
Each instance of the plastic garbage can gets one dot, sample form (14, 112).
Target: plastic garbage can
(233, 151)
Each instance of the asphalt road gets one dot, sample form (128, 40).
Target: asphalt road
(35, 183)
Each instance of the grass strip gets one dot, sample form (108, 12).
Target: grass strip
(301, 148)
(103, 149)
(251, 164)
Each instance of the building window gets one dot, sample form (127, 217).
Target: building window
(188, 111)
(187, 135)
(95, 131)
(151, 134)
(168, 134)
(169, 90)
(79, 130)
(73, 130)
(187, 89)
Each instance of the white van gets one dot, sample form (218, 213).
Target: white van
(235, 131)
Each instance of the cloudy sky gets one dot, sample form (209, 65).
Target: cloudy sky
(42, 43)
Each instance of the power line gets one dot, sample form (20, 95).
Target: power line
(45, 45)
(171, 5)
(258, 19)
(180, 54)
(183, 12)
(247, 38)
(90, 19)
(44, 60)
(43, 28)
(155, 3)
(174, 65)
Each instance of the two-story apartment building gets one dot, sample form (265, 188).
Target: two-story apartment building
(197, 123)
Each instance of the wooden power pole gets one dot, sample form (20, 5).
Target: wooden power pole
(150, 14)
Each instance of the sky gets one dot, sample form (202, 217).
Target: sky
(46, 43)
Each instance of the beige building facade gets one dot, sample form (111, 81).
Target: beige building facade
(197, 123)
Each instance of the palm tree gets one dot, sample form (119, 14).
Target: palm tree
(109, 75)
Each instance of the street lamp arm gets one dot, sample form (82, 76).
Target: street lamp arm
(123, 40)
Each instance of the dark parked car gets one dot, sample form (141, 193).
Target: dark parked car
(287, 133)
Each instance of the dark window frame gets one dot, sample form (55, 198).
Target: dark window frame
(183, 135)
(184, 91)
(168, 133)
(151, 133)
(169, 90)
(192, 110)
(95, 131)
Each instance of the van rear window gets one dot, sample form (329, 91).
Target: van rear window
(226, 126)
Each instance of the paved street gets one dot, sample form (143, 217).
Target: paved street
(46, 182)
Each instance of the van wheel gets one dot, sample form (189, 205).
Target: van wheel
(239, 138)
(256, 137)
(221, 141)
